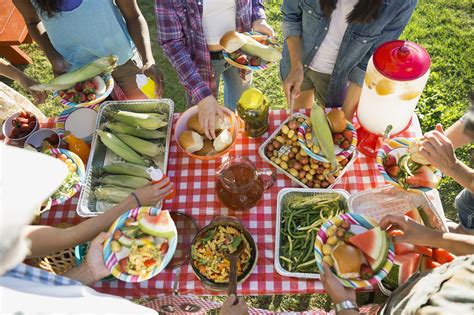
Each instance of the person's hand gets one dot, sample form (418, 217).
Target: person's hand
(59, 66)
(413, 232)
(208, 108)
(334, 288)
(437, 149)
(261, 26)
(150, 70)
(38, 96)
(151, 194)
(292, 84)
(95, 258)
(228, 308)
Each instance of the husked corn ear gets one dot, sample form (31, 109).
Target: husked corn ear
(142, 120)
(123, 168)
(141, 146)
(323, 132)
(111, 194)
(124, 181)
(121, 149)
(120, 127)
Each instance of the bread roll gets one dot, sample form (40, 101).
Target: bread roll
(414, 151)
(347, 260)
(191, 141)
(222, 141)
(337, 120)
(207, 149)
(233, 41)
(193, 124)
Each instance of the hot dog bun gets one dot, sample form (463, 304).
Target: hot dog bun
(233, 41)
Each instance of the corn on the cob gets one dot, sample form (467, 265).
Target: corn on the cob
(123, 181)
(121, 149)
(119, 127)
(67, 80)
(323, 132)
(141, 146)
(142, 120)
(111, 194)
(123, 168)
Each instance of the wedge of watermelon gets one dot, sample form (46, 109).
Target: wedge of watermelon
(414, 214)
(428, 264)
(424, 177)
(409, 263)
(374, 244)
(161, 225)
(425, 251)
(403, 248)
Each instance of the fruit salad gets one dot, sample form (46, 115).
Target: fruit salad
(85, 91)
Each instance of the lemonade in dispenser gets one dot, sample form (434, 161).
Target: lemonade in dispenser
(395, 78)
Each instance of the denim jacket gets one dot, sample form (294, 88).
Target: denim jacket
(305, 18)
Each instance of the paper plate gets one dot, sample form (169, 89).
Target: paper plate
(109, 83)
(397, 147)
(65, 113)
(111, 259)
(263, 64)
(340, 153)
(363, 223)
(81, 172)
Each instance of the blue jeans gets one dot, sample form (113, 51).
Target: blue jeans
(234, 85)
(465, 205)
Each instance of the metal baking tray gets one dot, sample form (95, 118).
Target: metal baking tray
(99, 156)
(261, 152)
(304, 191)
(376, 203)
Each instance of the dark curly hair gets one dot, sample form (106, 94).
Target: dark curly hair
(48, 7)
(365, 11)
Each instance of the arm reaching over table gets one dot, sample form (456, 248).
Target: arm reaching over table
(47, 239)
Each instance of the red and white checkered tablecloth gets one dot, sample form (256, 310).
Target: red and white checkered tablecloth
(195, 182)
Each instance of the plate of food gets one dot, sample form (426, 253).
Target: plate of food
(142, 243)
(74, 180)
(208, 253)
(358, 251)
(249, 50)
(400, 163)
(87, 93)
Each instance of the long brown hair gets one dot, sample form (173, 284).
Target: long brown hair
(365, 11)
(48, 7)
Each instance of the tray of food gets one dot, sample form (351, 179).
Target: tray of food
(377, 203)
(300, 214)
(142, 243)
(294, 150)
(130, 137)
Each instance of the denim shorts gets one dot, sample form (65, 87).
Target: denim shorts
(464, 203)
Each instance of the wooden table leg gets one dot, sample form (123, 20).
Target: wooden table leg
(15, 55)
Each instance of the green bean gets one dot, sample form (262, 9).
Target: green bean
(286, 259)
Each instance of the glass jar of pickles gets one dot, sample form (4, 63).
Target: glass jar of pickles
(252, 108)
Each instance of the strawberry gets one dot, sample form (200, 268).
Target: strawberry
(24, 114)
(25, 128)
(88, 87)
(345, 145)
(337, 138)
(80, 97)
(91, 97)
(389, 161)
(442, 256)
(393, 171)
(164, 247)
(242, 59)
(62, 94)
(31, 125)
(14, 132)
(70, 96)
(255, 61)
(366, 272)
(347, 134)
(78, 87)
(53, 139)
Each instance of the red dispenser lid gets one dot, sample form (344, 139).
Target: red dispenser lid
(401, 60)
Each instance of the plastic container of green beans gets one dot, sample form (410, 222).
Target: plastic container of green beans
(300, 213)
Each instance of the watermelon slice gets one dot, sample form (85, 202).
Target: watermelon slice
(161, 225)
(403, 248)
(426, 251)
(374, 245)
(429, 263)
(414, 214)
(424, 177)
(409, 263)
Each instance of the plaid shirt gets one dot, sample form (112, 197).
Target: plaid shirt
(25, 272)
(181, 35)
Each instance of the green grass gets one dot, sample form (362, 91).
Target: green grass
(443, 27)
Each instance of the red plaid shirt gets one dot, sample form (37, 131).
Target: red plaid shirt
(181, 37)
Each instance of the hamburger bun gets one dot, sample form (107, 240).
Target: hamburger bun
(207, 149)
(193, 124)
(337, 120)
(222, 141)
(191, 141)
(233, 41)
(347, 260)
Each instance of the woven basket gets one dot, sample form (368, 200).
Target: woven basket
(57, 263)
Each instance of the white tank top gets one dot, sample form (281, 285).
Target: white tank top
(218, 17)
(326, 55)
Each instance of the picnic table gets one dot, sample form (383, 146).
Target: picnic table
(195, 195)
(13, 32)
